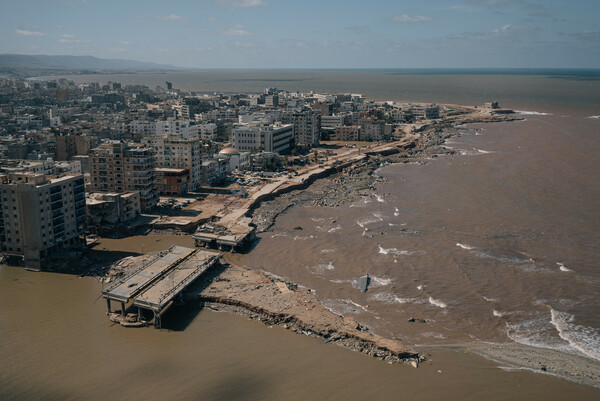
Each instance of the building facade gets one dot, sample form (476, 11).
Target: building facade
(175, 152)
(267, 137)
(40, 216)
(119, 167)
(307, 127)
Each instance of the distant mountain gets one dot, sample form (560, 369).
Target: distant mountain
(31, 65)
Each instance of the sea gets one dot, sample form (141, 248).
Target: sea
(496, 243)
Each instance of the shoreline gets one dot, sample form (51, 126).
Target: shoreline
(355, 180)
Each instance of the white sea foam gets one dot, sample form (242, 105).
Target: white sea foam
(484, 151)
(393, 251)
(378, 216)
(379, 281)
(351, 302)
(322, 268)
(396, 212)
(297, 237)
(434, 335)
(594, 117)
(379, 198)
(463, 246)
(532, 113)
(327, 250)
(584, 339)
(328, 229)
(389, 298)
(490, 299)
(497, 314)
(563, 268)
(437, 302)
(367, 221)
(420, 287)
(318, 219)
(279, 235)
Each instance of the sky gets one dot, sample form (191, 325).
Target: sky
(311, 33)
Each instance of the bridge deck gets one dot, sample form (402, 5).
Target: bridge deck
(171, 284)
(136, 283)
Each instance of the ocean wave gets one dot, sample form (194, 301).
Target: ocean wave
(327, 229)
(393, 251)
(463, 246)
(432, 334)
(279, 235)
(490, 299)
(379, 282)
(437, 302)
(389, 298)
(532, 113)
(485, 152)
(297, 237)
(498, 314)
(327, 250)
(536, 332)
(594, 117)
(563, 268)
(368, 220)
(351, 302)
(318, 219)
(584, 339)
(322, 268)
(420, 287)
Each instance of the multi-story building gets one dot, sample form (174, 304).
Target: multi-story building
(267, 137)
(119, 167)
(347, 133)
(307, 127)
(175, 152)
(172, 181)
(372, 130)
(332, 122)
(181, 128)
(71, 145)
(214, 170)
(108, 209)
(208, 131)
(41, 216)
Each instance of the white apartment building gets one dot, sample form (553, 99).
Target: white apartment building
(267, 137)
(208, 131)
(183, 128)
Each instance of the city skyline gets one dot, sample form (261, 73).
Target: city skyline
(285, 34)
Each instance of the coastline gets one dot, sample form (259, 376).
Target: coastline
(355, 180)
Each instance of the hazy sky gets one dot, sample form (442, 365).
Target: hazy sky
(311, 33)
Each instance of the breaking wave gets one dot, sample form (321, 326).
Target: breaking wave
(379, 282)
(563, 268)
(393, 251)
(584, 339)
(532, 113)
(437, 302)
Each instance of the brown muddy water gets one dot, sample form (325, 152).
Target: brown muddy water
(497, 243)
(57, 344)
